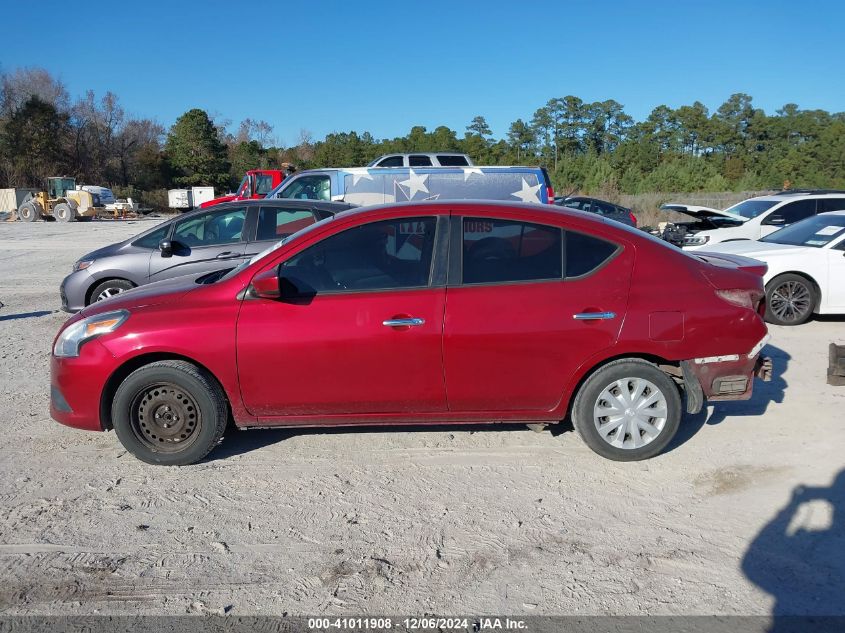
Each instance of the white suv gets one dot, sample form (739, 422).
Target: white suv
(750, 219)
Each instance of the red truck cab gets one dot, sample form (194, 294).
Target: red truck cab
(257, 183)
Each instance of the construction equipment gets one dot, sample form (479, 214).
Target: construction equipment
(62, 200)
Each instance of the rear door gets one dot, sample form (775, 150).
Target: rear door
(205, 242)
(526, 305)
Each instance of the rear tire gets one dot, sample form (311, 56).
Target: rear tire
(627, 410)
(109, 289)
(63, 212)
(790, 300)
(170, 413)
(29, 212)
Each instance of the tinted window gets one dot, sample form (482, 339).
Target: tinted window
(152, 240)
(263, 184)
(585, 253)
(419, 161)
(308, 188)
(275, 223)
(391, 161)
(208, 229)
(376, 256)
(831, 204)
(503, 250)
(793, 212)
(452, 161)
(583, 205)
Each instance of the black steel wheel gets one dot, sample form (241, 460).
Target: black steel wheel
(169, 412)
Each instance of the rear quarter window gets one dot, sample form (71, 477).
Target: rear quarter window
(585, 253)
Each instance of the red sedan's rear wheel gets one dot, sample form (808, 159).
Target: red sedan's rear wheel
(170, 413)
(627, 410)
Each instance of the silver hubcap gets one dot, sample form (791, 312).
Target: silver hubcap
(630, 413)
(790, 301)
(109, 292)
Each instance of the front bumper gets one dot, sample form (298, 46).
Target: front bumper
(73, 289)
(76, 386)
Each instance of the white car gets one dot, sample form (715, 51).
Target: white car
(750, 219)
(806, 267)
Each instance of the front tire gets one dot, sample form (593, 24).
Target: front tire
(29, 212)
(790, 300)
(109, 289)
(170, 413)
(627, 410)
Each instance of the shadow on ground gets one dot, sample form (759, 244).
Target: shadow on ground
(799, 556)
(27, 315)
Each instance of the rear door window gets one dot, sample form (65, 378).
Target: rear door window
(499, 251)
(274, 223)
(585, 253)
(831, 204)
(419, 161)
(450, 160)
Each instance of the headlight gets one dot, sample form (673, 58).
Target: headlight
(696, 240)
(82, 264)
(74, 336)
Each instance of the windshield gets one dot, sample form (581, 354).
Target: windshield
(816, 231)
(751, 208)
(243, 188)
(234, 271)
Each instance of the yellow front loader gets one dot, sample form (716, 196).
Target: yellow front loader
(62, 201)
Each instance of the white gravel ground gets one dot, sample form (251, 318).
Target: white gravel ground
(443, 520)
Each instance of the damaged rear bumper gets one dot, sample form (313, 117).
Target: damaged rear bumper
(728, 377)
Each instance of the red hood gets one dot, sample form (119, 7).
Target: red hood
(210, 203)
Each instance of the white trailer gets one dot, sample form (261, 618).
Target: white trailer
(200, 195)
(11, 199)
(179, 199)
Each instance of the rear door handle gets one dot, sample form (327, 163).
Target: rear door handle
(410, 322)
(593, 316)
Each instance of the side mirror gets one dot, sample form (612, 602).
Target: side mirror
(266, 285)
(166, 248)
(776, 220)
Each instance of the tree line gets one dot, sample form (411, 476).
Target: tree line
(585, 146)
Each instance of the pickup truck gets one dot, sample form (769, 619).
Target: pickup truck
(257, 183)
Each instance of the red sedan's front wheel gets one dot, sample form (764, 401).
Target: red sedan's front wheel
(170, 413)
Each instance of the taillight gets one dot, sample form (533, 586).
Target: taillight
(743, 298)
(550, 192)
(633, 217)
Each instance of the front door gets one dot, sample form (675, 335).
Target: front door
(358, 331)
(522, 316)
(205, 242)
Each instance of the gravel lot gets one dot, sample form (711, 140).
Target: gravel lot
(444, 520)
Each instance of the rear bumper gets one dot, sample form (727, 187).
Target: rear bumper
(722, 378)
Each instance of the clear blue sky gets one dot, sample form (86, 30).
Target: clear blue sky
(385, 66)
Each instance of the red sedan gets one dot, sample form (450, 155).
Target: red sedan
(470, 312)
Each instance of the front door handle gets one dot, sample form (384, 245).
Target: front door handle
(227, 255)
(409, 322)
(593, 316)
